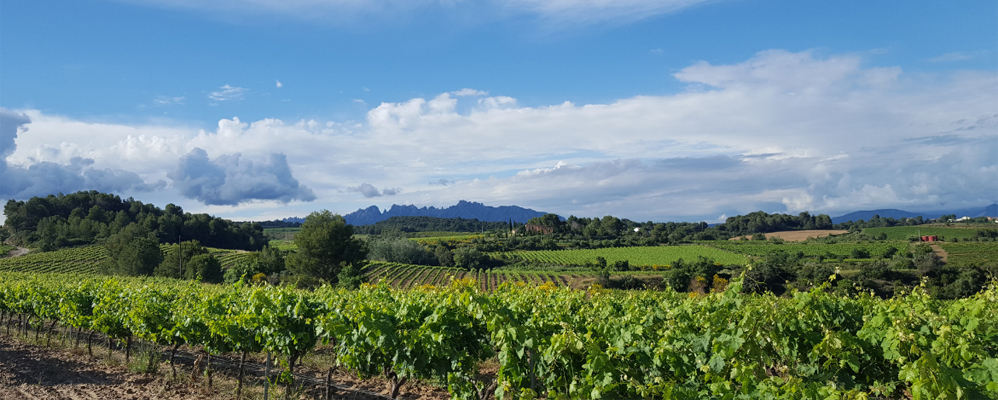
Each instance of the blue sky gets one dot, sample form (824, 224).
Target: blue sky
(676, 110)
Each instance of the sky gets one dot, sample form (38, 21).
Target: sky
(670, 110)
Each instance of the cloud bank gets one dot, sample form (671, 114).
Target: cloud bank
(781, 131)
(45, 178)
(231, 180)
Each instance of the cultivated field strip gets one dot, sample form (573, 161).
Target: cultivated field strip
(635, 256)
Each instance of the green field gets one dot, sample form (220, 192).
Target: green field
(971, 253)
(905, 232)
(4, 249)
(876, 250)
(638, 256)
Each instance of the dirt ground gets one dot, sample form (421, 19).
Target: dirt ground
(943, 255)
(800, 236)
(34, 372)
(17, 252)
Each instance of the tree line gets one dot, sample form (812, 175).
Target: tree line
(89, 217)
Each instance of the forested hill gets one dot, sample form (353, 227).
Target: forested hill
(89, 217)
(463, 209)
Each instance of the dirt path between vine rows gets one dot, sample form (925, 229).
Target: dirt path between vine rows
(34, 372)
(30, 372)
(943, 255)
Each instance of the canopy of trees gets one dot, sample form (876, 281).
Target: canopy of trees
(89, 217)
(428, 224)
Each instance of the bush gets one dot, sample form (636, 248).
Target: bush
(352, 276)
(400, 250)
(470, 258)
(860, 253)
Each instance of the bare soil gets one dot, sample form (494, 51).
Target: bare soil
(800, 236)
(938, 250)
(29, 371)
(17, 252)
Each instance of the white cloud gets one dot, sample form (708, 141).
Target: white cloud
(779, 131)
(279, 84)
(169, 100)
(229, 93)
(957, 56)
(469, 92)
(575, 12)
(599, 11)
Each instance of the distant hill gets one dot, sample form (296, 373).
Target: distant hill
(989, 211)
(463, 209)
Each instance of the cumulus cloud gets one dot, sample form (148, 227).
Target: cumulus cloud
(229, 93)
(780, 131)
(231, 180)
(368, 190)
(279, 84)
(45, 178)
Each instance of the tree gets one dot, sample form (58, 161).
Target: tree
(139, 257)
(325, 245)
(470, 258)
(205, 267)
(175, 262)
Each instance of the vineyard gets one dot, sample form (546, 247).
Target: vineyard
(4, 249)
(875, 250)
(972, 253)
(68, 260)
(406, 276)
(456, 237)
(554, 343)
(638, 256)
(906, 232)
(87, 259)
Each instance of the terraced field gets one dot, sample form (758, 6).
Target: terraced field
(636, 256)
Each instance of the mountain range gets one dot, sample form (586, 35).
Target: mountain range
(463, 209)
(474, 210)
(989, 211)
